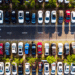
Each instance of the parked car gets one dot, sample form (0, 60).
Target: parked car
(46, 49)
(33, 48)
(14, 68)
(59, 68)
(39, 48)
(53, 48)
(40, 67)
(40, 1)
(60, 1)
(73, 47)
(47, 16)
(13, 17)
(20, 69)
(27, 17)
(1, 16)
(7, 17)
(27, 68)
(53, 16)
(21, 16)
(26, 48)
(7, 48)
(14, 48)
(66, 68)
(61, 16)
(40, 16)
(7, 1)
(7, 68)
(72, 68)
(1, 68)
(53, 68)
(20, 48)
(67, 16)
(66, 49)
(34, 68)
(66, 1)
(33, 20)
(60, 48)
(1, 49)
(72, 16)
(46, 68)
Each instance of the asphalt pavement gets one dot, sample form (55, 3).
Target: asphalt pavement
(37, 32)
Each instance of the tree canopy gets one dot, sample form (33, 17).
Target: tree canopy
(15, 1)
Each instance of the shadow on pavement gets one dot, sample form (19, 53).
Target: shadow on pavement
(59, 30)
(72, 29)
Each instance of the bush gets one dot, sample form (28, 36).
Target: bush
(61, 6)
(21, 7)
(38, 6)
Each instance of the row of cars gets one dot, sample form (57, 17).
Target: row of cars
(33, 47)
(7, 17)
(12, 68)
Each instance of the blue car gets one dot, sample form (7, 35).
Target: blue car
(26, 48)
(33, 18)
(7, 48)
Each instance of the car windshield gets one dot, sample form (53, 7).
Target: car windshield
(46, 68)
(53, 71)
(40, 18)
(68, 17)
(74, 18)
(47, 18)
(39, 46)
(0, 16)
(73, 70)
(20, 16)
(27, 69)
(7, 70)
(54, 17)
(33, 47)
(0, 69)
(60, 52)
(0, 46)
(6, 47)
(39, 52)
(67, 69)
(60, 18)
(60, 70)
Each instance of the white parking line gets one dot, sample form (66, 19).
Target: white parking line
(40, 32)
(24, 32)
(9, 32)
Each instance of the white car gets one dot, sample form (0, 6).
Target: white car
(66, 68)
(14, 68)
(40, 16)
(46, 48)
(27, 68)
(40, 1)
(21, 16)
(60, 48)
(46, 68)
(47, 16)
(66, 1)
(73, 17)
(20, 48)
(53, 16)
(1, 68)
(1, 16)
(60, 1)
(14, 48)
(73, 68)
(53, 68)
(59, 68)
(7, 68)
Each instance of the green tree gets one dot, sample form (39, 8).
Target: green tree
(31, 60)
(50, 59)
(70, 59)
(15, 1)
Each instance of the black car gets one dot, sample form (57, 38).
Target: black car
(34, 68)
(33, 48)
(7, 17)
(13, 16)
(7, 1)
(27, 17)
(20, 69)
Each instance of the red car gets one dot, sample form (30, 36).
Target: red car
(1, 48)
(39, 47)
(67, 16)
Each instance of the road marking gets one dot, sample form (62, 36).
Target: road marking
(24, 32)
(9, 32)
(40, 32)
